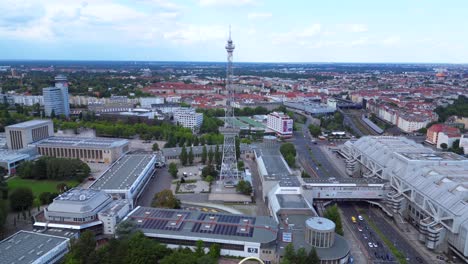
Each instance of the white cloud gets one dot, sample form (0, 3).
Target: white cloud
(259, 15)
(226, 2)
(297, 36)
(187, 34)
(391, 41)
(356, 28)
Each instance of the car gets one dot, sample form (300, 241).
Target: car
(359, 228)
(365, 237)
(370, 245)
(353, 219)
(360, 217)
(375, 245)
(91, 178)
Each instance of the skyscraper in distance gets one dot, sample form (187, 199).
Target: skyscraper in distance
(56, 97)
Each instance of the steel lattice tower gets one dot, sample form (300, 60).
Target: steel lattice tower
(229, 170)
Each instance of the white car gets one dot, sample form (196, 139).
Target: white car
(375, 245)
(360, 217)
(370, 245)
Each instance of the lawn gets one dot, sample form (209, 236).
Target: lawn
(36, 186)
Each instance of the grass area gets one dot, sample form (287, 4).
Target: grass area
(37, 186)
(400, 256)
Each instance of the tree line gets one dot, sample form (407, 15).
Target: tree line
(288, 150)
(291, 256)
(134, 248)
(458, 108)
(49, 168)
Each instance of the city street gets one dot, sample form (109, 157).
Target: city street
(160, 180)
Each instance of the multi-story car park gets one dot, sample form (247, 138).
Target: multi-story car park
(26, 247)
(98, 150)
(430, 189)
(127, 177)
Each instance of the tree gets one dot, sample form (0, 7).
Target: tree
(289, 254)
(52, 114)
(218, 156)
(21, 199)
(3, 184)
(314, 130)
(210, 156)
(333, 214)
(301, 256)
(82, 248)
(289, 153)
(165, 199)
(237, 148)
(209, 179)
(204, 155)
(190, 156)
(240, 165)
(215, 251)
(173, 169)
(244, 187)
(209, 170)
(47, 197)
(183, 156)
(125, 229)
(155, 147)
(199, 249)
(143, 250)
(444, 146)
(313, 257)
(304, 174)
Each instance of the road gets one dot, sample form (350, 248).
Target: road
(398, 240)
(310, 155)
(367, 237)
(161, 180)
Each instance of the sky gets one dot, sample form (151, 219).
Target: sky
(426, 31)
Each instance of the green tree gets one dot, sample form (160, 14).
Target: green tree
(183, 156)
(165, 199)
(333, 214)
(81, 248)
(199, 248)
(289, 253)
(301, 256)
(240, 165)
(204, 155)
(21, 199)
(244, 187)
(209, 170)
(190, 156)
(173, 169)
(125, 229)
(304, 174)
(210, 156)
(314, 130)
(218, 156)
(155, 147)
(313, 257)
(143, 250)
(215, 251)
(47, 197)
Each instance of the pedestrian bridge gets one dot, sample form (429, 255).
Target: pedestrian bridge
(345, 189)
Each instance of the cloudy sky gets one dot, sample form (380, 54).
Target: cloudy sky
(262, 30)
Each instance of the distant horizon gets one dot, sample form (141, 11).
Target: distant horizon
(244, 62)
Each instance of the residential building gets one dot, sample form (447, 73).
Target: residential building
(187, 117)
(464, 143)
(56, 98)
(281, 123)
(18, 136)
(439, 134)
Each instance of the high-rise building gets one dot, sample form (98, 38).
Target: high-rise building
(20, 135)
(280, 123)
(187, 117)
(56, 98)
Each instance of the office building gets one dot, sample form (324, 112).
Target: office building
(98, 150)
(429, 189)
(56, 98)
(76, 209)
(18, 136)
(237, 235)
(187, 117)
(26, 247)
(127, 177)
(281, 123)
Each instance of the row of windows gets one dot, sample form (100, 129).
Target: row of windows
(193, 243)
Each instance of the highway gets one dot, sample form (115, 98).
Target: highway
(367, 237)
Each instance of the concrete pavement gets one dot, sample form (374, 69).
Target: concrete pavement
(161, 180)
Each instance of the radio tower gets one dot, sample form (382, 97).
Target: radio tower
(229, 173)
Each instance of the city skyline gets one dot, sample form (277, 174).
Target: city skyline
(160, 30)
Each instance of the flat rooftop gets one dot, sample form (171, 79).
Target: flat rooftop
(123, 173)
(200, 225)
(432, 156)
(30, 123)
(77, 194)
(82, 142)
(276, 167)
(26, 247)
(291, 201)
